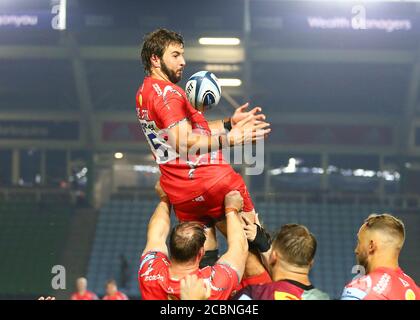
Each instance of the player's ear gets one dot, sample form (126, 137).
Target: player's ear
(272, 259)
(155, 60)
(372, 247)
(201, 253)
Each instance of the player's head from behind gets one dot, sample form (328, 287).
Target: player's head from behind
(81, 284)
(186, 243)
(379, 241)
(162, 54)
(111, 287)
(293, 249)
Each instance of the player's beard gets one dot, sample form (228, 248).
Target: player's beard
(170, 73)
(362, 259)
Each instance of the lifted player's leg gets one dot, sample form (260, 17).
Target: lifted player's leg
(209, 207)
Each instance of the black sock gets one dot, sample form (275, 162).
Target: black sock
(209, 259)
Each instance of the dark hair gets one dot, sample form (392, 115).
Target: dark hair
(296, 244)
(186, 240)
(156, 42)
(111, 281)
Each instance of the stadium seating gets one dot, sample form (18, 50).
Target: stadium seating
(120, 231)
(122, 227)
(32, 236)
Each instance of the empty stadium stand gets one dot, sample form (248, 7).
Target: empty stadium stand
(32, 235)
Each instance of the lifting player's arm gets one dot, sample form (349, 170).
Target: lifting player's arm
(237, 251)
(159, 224)
(258, 238)
(185, 141)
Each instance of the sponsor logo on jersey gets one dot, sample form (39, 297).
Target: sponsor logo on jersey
(166, 262)
(278, 295)
(170, 89)
(410, 295)
(157, 89)
(155, 277)
(140, 99)
(199, 199)
(382, 284)
(353, 294)
(165, 92)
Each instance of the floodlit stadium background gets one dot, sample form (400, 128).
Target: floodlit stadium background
(338, 81)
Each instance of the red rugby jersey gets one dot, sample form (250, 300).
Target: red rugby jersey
(382, 284)
(117, 296)
(160, 106)
(155, 282)
(88, 295)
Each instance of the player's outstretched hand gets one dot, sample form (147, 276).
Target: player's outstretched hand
(193, 288)
(249, 129)
(162, 195)
(234, 200)
(241, 113)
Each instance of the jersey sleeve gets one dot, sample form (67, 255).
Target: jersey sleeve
(356, 290)
(170, 108)
(361, 289)
(152, 275)
(223, 282)
(151, 261)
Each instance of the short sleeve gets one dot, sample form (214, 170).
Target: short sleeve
(225, 280)
(358, 289)
(153, 275)
(151, 259)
